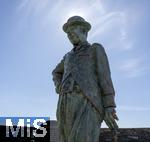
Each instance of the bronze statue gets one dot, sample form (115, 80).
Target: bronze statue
(83, 82)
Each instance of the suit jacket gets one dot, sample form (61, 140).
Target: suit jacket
(89, 67)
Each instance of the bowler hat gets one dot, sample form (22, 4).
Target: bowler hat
(76, 20)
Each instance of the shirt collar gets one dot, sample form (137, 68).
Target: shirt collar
(81, 46)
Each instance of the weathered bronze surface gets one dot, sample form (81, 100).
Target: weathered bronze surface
(83, 82)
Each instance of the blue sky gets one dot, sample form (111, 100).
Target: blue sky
(32, 43)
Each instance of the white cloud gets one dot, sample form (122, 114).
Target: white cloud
(114, 24)
(93, 11)
(134, 67)
(105, 23)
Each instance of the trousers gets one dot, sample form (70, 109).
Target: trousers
(78, 121)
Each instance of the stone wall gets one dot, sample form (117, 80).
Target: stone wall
(124, 135)
(53, 131)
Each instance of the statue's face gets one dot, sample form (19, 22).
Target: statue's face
(76, 34)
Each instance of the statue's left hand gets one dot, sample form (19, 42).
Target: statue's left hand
(58, 89)
(110, 117)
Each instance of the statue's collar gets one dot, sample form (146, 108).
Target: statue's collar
(80, 47)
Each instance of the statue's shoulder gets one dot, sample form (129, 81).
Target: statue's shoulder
(97, 47)
(67, 54)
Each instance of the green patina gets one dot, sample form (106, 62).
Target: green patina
(83, 82)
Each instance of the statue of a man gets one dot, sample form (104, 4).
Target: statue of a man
(84, 85)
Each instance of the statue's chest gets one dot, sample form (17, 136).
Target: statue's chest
(79, 59)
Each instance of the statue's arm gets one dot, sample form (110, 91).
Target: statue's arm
(104, 76)
(57, 74)
(106, 85)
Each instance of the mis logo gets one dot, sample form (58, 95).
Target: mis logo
(25, 126)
